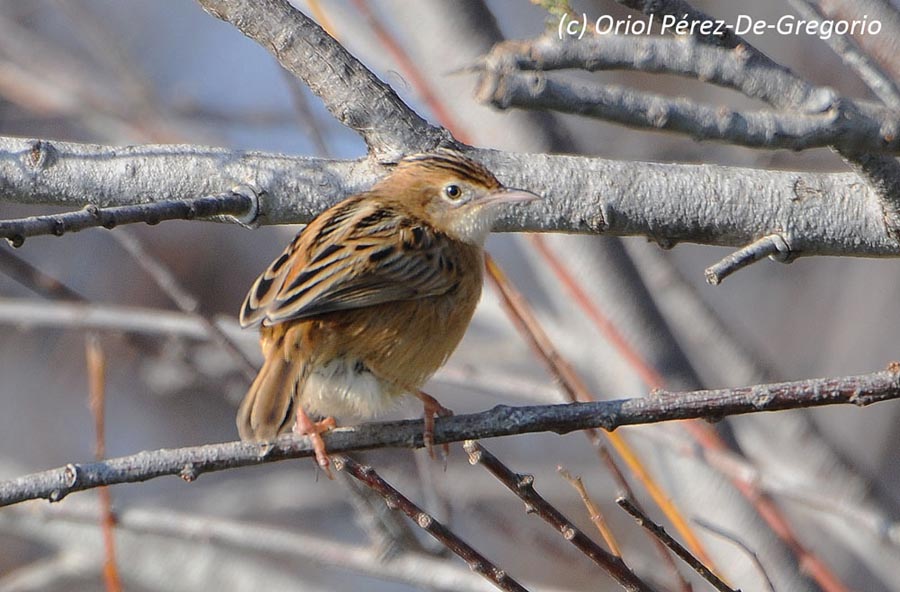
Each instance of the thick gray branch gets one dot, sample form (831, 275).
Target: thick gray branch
(351, 92)
(502, 420)
(816, 214)
(842, 126)
(290, 188)
(807, 116)
(736, 68)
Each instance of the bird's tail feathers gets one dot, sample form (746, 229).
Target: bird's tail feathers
(267, 408)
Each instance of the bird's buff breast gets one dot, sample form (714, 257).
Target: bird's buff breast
(367, 359)
(345, 388)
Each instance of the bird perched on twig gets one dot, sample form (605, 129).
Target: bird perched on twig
(371, 298)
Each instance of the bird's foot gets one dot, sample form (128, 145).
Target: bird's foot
(314, 430)
(433, 409)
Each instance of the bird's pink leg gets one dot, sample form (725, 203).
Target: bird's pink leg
(432, 410)
(314, 430)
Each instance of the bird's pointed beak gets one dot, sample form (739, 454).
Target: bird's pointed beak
(510, 195)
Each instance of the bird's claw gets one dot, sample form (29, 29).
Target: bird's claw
(314, 430)
(433, 409)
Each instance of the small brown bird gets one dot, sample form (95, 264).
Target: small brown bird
(371, 298)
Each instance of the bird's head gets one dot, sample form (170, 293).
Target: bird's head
(452, 193)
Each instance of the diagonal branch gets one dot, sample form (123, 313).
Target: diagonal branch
(444, 535)
(351, 92)
(191, 462)
(523, 487)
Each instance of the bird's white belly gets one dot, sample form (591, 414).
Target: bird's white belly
(345, 389)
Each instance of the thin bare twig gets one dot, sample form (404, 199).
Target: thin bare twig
(659, 532)
(232, 203)
(596, 515)
(183, 299)
(112, 318)
(386, 124)
(396, 500)
(846, 47)
(625, 489)
(522, 486)
(841, 125)
(773, 246)
(389, 535)
(741, 545)
(34, 279)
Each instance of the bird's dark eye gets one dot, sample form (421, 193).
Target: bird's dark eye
(453, 191)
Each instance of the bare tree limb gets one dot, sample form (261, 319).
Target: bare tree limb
(523, 487)
(736, 68)
(841, 125)
(27, 313)
(396, 500)
(660, 533)
(191, 462)
(844, 46)
(351, 92)
(818, 214)
(240, 205)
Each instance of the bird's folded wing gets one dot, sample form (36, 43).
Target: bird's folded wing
(354, 266)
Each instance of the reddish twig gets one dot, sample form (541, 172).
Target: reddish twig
(595, 514)
(409, 68)
(96, 370)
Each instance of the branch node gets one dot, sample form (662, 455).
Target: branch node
(71, 474)
(473, 450)
(59, 227)
(524, 481)
(265, 450)
(821, 100)
(423, 520)
(41, 156)
(70, 478)
(774, 246)
(189, 473)
(251, 217)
